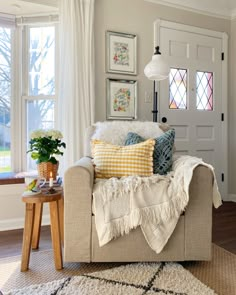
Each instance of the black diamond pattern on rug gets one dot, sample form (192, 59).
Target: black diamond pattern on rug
(145, 287)
(130, 279)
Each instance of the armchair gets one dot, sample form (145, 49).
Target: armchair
(191, 239)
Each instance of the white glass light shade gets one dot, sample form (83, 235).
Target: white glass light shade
(157, 69)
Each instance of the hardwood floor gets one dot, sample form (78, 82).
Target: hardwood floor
(224, 226)
(11, 241)
(224, 233)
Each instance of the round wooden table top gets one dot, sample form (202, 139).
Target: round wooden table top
(42, 197)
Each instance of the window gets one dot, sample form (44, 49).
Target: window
(27, 90)
(178, 89)
(40, 82)
(204, 91)
(5, 98)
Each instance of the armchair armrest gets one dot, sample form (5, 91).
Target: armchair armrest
(78, 188)
(198, 215)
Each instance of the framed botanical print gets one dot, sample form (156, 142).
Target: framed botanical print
(121, 51)
(121, 99)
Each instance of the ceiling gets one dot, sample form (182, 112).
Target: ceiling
(219, 8)
(28, 7)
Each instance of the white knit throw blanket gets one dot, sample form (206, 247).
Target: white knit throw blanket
(155, 203)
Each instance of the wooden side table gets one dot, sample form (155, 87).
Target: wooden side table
(33, 218)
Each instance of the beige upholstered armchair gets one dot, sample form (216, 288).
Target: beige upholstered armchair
(191, 239)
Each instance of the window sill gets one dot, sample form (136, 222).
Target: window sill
(11, 178)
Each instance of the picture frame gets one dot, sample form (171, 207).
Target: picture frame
(121, 53)
(121, 99)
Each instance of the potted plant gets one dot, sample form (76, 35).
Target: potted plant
(44, 146)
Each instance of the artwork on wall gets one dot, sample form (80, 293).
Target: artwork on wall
(121, 53)
(121, 99)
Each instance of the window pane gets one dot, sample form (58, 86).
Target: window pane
(40, 115)
(5, 99)
(204, 91)
(42, 61)
(178, 88)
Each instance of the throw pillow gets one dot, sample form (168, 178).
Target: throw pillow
(163, 150)
(117, 161)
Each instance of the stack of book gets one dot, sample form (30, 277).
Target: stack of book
(56, 183)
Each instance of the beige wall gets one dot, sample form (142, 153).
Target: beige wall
(12, 209)
(137, 17)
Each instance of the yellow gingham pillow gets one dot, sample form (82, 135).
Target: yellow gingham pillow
(117, 161)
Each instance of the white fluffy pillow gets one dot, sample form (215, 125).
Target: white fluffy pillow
(115, 132)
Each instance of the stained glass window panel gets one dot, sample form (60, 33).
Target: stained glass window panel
(178, 88)
(204, 91)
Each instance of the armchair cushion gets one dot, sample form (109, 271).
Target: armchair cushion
(117, 161)
(163, 150)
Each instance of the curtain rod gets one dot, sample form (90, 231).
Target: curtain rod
(32, 20)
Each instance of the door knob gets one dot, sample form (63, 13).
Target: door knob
(163, 119)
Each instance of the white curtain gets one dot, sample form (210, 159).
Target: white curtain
(76, 81)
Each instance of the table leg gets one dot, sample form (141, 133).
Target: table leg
(27, 236)
(37, 225)
(61, 219)
(55, 233)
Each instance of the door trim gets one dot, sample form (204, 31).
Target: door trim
(158, 24)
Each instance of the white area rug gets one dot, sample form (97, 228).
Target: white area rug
(137, 279)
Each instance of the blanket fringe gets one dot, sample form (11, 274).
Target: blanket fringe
(156, 214)
(173, 190)
(119, 187)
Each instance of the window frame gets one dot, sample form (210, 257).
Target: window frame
(25, 83)
(19, 89)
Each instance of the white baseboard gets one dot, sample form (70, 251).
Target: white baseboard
(10, 224)
(231, 197)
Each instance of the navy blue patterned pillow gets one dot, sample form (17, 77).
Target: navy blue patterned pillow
(163, 150)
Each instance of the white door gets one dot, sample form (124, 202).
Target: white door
(191, 99)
